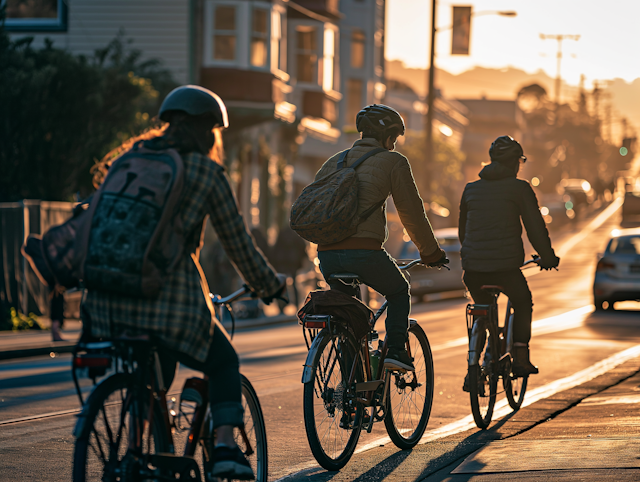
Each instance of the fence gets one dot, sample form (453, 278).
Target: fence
(19, 285)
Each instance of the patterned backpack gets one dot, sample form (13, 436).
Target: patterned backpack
(326, 211)
(130, 235)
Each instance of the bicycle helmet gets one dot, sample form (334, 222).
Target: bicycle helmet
(379, 120)
(506, 149)
(194, 100)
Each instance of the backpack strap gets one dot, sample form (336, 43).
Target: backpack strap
(343, 156)
(373, 152)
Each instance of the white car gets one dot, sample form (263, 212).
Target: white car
(618, 270)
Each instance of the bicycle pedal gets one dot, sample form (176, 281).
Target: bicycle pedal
(176, 463)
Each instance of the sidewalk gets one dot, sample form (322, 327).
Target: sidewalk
(587, 433)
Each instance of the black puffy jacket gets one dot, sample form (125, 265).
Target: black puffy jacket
(489, 227)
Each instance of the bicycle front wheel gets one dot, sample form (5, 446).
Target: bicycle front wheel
(483, 375)
(411, 394)
(515, 387)
(332, 423)
(256, 448)
(103, 432)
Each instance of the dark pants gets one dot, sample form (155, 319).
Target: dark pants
(379, 271)
(223, 369)
(515, 286)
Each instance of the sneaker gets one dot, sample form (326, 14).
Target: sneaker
(399, 360)
(230, 463)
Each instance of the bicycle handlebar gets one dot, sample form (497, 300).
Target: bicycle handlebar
(219, 301)
(415, 262)
(535, 259)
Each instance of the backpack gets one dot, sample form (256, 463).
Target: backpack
(326, 211)
(129, 236)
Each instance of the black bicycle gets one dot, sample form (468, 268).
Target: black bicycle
(347, 388)
(490, 348)
(127, 432)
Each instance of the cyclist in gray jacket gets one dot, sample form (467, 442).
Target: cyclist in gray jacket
(490, 232)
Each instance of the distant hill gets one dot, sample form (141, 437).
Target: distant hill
(504, 84)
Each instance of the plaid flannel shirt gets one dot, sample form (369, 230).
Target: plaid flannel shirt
(182, 316)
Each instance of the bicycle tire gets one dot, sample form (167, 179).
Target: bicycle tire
(483, 376)
(256, 432)
(109, 399)
(515, 387)
(407, 412)
(323, 403)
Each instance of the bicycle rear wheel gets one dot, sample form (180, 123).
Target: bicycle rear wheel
(103, 429)
(483, 375)
(332, 424)
(515, 387)
(411, 394)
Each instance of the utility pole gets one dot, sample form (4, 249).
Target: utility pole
(429, 151)
(559, 39)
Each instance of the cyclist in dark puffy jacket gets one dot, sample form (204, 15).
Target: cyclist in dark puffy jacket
(491, 236)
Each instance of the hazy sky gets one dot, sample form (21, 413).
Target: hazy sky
(609, 45)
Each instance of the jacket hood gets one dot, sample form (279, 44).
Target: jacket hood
(496, 171)
(367, 142)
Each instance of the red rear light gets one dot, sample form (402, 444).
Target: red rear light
(477, 312)
(605, 265)
(315, 324)
(92, 361)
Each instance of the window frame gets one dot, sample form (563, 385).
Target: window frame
(293, 58)
(60, 24)
(267, 36)
(363, 45)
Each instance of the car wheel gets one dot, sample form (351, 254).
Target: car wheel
(599, 302)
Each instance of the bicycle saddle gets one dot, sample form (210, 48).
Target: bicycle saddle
(345, 276)
(493, 289)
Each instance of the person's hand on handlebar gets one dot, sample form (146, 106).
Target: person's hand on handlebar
(549, 263)
(281, 294)
(437, 259)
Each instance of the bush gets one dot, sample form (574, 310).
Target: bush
(61, 112)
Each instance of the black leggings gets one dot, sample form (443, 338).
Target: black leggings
(222, 368)
(515, 286)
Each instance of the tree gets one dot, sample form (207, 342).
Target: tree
(61, 112)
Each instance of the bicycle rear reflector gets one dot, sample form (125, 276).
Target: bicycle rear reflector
(477, 312)
(315, 322)
(88, 360)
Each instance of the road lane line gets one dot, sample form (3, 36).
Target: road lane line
(564, 321)
(502, 407)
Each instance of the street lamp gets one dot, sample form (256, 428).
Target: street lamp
(430, 84)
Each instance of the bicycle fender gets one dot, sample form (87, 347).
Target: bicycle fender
(474, 357)
(307, 372)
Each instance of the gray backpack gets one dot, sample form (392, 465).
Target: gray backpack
(129, 236)
(326, 211)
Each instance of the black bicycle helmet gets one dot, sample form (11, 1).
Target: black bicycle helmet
(506, 149)
(379, 120)
(194, 100)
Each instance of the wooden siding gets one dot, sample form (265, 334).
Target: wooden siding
(159, 28)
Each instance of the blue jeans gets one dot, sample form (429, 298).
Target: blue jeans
(379, 271)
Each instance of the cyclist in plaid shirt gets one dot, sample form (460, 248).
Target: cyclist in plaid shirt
(182, 317)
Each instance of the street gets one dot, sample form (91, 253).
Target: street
(568, 338)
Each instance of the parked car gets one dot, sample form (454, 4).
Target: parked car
(427, 280)
(618, 270)
(631, 210)
(577, 192)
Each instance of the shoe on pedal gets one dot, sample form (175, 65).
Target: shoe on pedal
(522, 366)
(399, 360)
(230, 463)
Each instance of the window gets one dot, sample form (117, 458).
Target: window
(329, 70)
(224, 33)
(357, 49)
(278, 44)
(306, 53)
(35, 15)
(354, 100)
(259, 38)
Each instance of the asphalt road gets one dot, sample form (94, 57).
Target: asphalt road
(272, 359)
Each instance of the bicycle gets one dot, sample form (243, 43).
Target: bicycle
(490, 360)
(125, 430)
(346, 386)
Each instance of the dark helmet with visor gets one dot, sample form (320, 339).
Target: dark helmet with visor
(196, 101)
(380, 120)
(506, 149)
